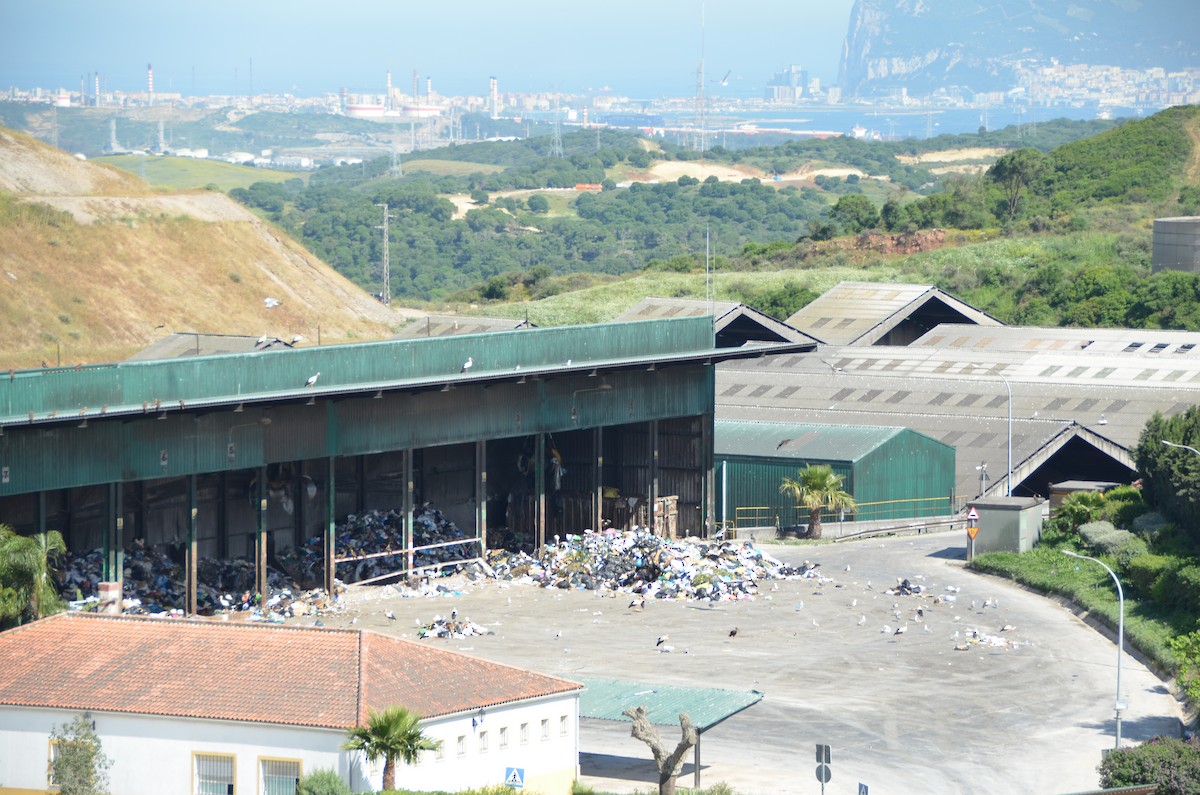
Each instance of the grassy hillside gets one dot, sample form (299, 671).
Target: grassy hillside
(101, 288)
(185, 173)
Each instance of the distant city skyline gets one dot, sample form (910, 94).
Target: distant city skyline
(635, 49)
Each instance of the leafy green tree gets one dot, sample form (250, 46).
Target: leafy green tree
(80, 766)
(538, 203)
(1171, 764)
(479, 196)
(1016, 172)
(26, 570)
(855, 212)
(395, 733)
(818, 489)
(892, 215)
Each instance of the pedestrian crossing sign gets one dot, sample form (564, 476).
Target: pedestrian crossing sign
(514, 777)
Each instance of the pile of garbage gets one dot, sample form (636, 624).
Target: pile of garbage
(641, 563)
(154, 585)
(366, 537)
(453, 627)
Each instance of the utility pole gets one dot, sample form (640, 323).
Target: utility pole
(386, 293)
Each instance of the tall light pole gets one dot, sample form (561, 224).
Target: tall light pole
(1008, 388)
(1120, 705)
(1008, 478)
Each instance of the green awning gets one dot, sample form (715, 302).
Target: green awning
(606, 699)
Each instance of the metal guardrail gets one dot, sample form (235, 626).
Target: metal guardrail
(881, 510)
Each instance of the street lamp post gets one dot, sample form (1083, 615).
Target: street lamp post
(1008, 478)
(1181, 446)
(1120, 705)
(1008, 388)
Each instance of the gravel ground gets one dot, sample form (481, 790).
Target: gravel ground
(902, 713)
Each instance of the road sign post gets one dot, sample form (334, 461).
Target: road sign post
(823, 771)
(972, 531)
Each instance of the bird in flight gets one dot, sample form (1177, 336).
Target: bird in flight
(312, 379)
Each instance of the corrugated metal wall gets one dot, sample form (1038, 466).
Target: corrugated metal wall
(753, 483)
(115, 449)
(911, 475)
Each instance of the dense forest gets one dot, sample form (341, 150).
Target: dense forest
(1087, 200)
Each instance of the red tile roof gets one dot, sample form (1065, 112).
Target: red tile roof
(304, 676)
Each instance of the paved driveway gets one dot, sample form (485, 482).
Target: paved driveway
(902, 713)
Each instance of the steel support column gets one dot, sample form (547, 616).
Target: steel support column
(193, 548)
(223, 515)
(409, 496)
(260, 545)
(539, 486)
(330, 534)
(707, 467)
(598, 484)
(653, 506)
(481, 495)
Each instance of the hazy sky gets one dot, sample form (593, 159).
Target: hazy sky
(640, 48)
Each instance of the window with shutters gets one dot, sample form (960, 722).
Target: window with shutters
(279, 776)
(213, 774)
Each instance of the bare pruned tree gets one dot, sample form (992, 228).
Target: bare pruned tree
(668, 763)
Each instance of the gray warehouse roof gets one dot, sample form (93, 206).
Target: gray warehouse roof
(798, 440)
(730, 319)
(450, 325)
(863, 313)
(957, 396)
(1160, 343)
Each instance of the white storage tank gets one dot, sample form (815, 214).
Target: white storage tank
(1177, 244)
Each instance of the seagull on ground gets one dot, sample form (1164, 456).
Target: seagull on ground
(900, 630)
(862, 619)
(733, 632)
(661, 640)
(389, 615)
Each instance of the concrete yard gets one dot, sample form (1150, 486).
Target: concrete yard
(902, 714)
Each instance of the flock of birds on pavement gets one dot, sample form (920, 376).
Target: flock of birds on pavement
(908, 605)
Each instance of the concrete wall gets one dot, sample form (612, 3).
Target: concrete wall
(1176, 244)
(153, 755)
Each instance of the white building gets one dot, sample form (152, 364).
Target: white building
(201, 706)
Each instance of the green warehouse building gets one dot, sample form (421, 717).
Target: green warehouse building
(893, 473)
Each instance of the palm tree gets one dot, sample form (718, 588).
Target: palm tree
(817, 488)
(395, 733)
(26, 563)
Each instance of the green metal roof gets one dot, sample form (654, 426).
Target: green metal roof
(607, 699)
(138, 387)
(798, 440)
